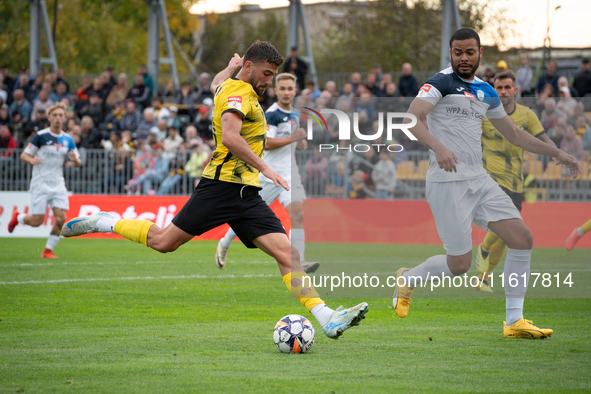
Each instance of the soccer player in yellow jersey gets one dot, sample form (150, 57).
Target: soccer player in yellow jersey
(229, 188)
(577, 233)
(504, 162)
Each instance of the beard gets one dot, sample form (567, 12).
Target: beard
(466, 74)
(260, 89)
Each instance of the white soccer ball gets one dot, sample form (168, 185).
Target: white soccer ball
(294, 334)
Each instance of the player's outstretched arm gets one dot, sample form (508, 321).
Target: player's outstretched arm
(446, 159)
(27, 158)
(234, 64)
(276, 143)
(526, 141)
(237, 145)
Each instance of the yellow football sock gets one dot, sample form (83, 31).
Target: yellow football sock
(489, 241)
(587, 226)
(307, 295)
(134, 229)
(495, 255)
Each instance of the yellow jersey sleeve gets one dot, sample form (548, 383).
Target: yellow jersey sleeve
(235, 99)
(535, 126)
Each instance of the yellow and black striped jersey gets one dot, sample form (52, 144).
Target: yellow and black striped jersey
(503, 160)
(237, 96)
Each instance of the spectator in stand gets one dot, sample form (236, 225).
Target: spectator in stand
(6, 141)
(582, 81)
(268, 98)
(131, 118)
(581, 127)
(150, 179)
(489, 76)
(337, 186)
(365, 108)
(148, 81)
(586, 140)
(36, 87)
(549, 122)
(113, 118)
(550, 107)
(347, 95)
(84, 89)
(118, 172)
(173, 141)
(110, 70)
(23, 84)
(386, 79)
(549, 77)
(77, 132)
(41, 122)
(186, 97)
(386, 102)
(20, 105)
(546, 94)
(146, 124)
(314, 91)
(571, 144)
(41, 104)
(94, 108)
(62, 91)
(69, 125)
(140, 93)
(200, 155)
(4, 115)
(566, 104)
(119, 91)
(97, 88)
(316, 167)
(75, 102)
(296, 66)
(8, 80)
(556, 132)
(3, 90)
(524, 77)
(384, 176)
(59, 77)
(331, 87)
(127, 141)
(173, 120)
(579, 110)
(357, 186)
(160, 112)
(202, 90)
(107, 84)
(191, 136)
(372, 84)
(408, 84)
(355, 81)
(502, 66)
(563, 83)
(143, 163)
(90, 138)
(17, 125)
(378, 72)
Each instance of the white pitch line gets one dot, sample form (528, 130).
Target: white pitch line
(137, 278)
(117, 263)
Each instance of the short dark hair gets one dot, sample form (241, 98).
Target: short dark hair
(585, 60)
(464, 33)
(263, 52)
(506, 74)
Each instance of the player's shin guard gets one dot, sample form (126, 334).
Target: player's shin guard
(300, 285)
(516, 266)
(134, 229)
(495, 255)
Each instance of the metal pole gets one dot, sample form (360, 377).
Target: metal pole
(35, 44)
(292, 25)
(445, 34)
(309, 56)
(153, 42)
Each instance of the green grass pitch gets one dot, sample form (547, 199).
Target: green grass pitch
(110, 316)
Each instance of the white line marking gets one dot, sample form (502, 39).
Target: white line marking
(138, 278)
(121, 263)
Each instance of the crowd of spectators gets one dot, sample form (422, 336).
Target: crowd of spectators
(145, 131)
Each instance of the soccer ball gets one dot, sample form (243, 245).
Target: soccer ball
(293, 334)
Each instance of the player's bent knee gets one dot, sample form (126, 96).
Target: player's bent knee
(459, 265)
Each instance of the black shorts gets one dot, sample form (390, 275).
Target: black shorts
(214, 203)
(517, 198)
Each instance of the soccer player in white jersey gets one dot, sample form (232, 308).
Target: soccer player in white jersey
(453, 104)
(283, 136)
(47, 152)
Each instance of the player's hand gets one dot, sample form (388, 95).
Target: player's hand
(302, 144)
(569, 162)
(299, 134)
(446, 159)
(236, 62)
(72, 155)
(35, 160)
(273, 176)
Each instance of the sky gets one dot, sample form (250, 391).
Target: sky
(569, 25)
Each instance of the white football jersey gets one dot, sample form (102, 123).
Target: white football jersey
(456, 121)
(52, 149)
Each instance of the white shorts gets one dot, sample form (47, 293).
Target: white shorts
(271, 192)
(458, 204)
(40, 201)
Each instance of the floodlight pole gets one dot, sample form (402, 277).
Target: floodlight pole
(157, 18)
(296, 17)
(450, 11)
(38, 15)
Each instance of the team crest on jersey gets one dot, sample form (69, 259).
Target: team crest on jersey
(480, 95)
(470, 96)
(235, 102)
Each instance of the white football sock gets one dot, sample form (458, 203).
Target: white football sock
(52, 241)
(228, 238)
(435, 266)
(298, 240)
(106, 225)
(517, 263)
(322, 313)
(21, 218)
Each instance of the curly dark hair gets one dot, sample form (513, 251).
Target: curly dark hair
(263, 52)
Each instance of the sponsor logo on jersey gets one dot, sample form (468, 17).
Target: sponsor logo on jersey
(480, 95)
(235, 102)
(460, 89)
(424, 90)
(470, 96)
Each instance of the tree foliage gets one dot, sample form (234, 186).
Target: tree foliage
(93, 34)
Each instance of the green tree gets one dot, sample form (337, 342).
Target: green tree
(93, 34)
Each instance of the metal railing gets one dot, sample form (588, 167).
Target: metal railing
(143, 173)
